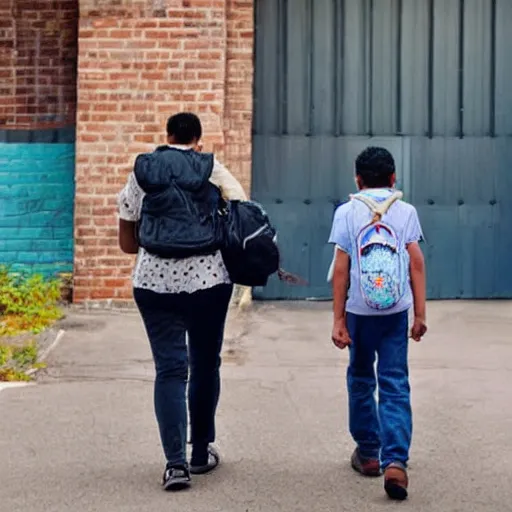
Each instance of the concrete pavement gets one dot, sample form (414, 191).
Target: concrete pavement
(85, 438)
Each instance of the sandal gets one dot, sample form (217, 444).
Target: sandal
(211, 464)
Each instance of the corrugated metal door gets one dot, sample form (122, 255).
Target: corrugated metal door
(429, 80)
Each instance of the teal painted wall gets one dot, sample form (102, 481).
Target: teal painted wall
(37, 192)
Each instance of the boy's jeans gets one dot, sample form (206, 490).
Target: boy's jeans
(168, 318)
(380, 430)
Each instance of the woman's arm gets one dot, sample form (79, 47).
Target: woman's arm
(228, 184)
(129, 205)
(127, 237)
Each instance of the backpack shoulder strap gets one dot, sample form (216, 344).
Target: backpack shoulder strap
(378, 209)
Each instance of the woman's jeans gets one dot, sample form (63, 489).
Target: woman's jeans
(382, 429)
(168, 318)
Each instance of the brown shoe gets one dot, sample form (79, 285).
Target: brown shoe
(396, 481)
(364, 466)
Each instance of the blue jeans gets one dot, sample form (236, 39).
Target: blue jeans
(168, 318)
(384, 429)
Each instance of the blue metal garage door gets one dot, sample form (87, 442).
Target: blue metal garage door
(429, 80)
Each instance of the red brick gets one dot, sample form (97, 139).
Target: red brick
(95, 293)
(105, 23)
(125, 293)
(121, 34)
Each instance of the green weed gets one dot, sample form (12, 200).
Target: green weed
(15, 361)
(28, 303)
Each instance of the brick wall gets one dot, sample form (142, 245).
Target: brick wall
(140, 62)
(238, 88)
(7, 67)
(38, 47)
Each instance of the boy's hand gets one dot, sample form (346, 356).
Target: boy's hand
(419, 329)
(340, 335)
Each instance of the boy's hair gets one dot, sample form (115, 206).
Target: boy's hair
(184, 128)
(375, 166)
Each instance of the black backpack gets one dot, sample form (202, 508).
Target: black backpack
(180, 211)
(250, 250)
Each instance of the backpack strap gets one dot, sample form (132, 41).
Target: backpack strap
(378, 209)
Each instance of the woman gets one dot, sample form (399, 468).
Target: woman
(180, 297)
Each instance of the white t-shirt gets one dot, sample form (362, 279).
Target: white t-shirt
(163, 275)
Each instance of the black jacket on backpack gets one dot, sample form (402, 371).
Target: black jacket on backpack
(179, 216)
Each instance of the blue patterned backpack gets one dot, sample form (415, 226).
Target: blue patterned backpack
(381, 256)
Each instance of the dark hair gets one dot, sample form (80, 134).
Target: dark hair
(184, 127)
(375, 166)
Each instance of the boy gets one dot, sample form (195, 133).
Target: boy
(378, 273)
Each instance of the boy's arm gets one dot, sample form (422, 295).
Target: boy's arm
(340, 281)
(418, 285)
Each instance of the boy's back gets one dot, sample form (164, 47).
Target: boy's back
(349, 219)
